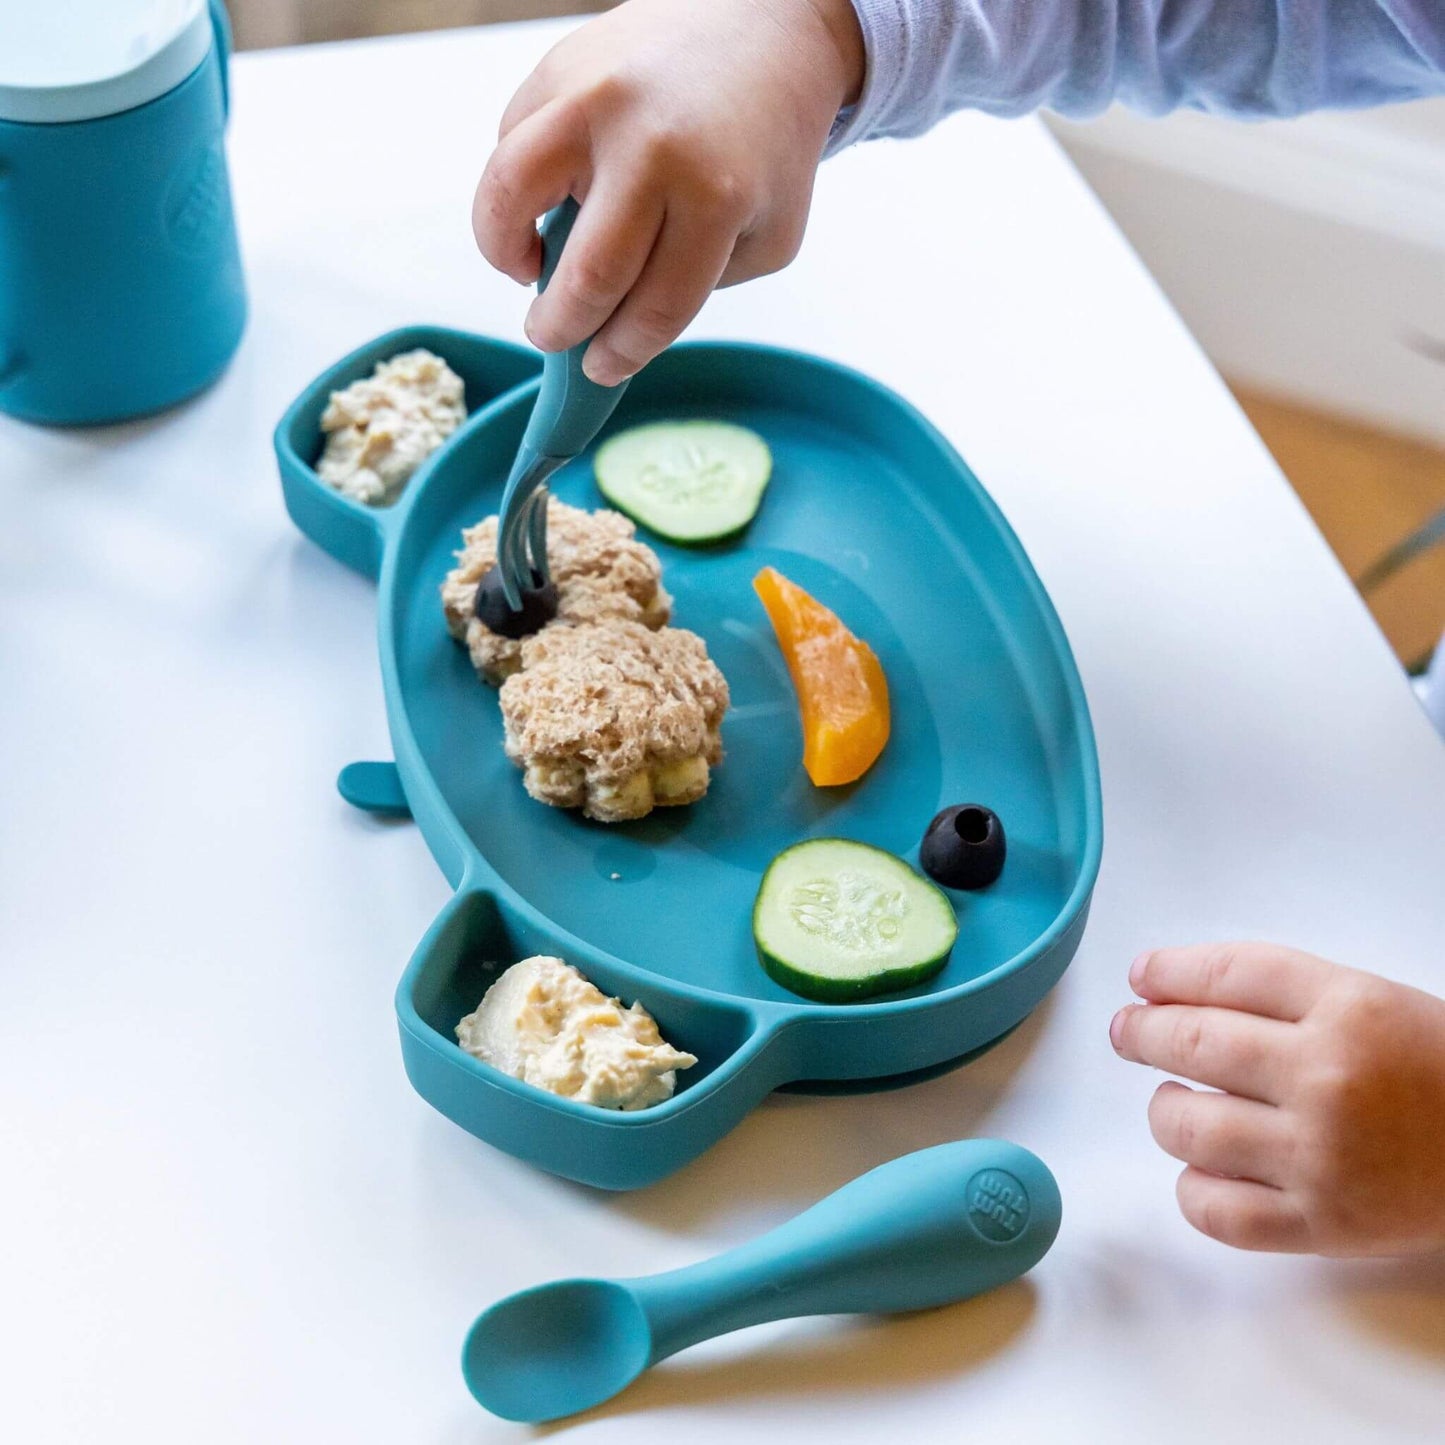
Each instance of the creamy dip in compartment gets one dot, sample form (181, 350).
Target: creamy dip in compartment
(380, 429)
(545, 1024)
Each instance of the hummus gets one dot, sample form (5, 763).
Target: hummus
(381, 429)
(545, 1024)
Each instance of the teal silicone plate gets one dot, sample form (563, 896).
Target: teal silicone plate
(873, 513)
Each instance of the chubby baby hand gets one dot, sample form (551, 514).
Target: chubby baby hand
(1328, 1133)
(689, 132)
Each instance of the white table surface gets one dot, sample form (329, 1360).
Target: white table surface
(225, 1215)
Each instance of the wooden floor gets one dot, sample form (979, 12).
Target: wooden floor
(1366, 489)
(260, 24)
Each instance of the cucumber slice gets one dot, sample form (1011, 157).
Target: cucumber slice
(691, 482)
(837, 920)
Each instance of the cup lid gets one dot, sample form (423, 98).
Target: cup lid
(65, 60)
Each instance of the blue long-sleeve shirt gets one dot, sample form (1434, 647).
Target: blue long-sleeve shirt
(1249, 58)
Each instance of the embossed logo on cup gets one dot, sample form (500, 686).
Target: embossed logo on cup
(11, 366)
(195, 204)
(998, 1205)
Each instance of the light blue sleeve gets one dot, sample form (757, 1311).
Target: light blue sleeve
(1248, 58)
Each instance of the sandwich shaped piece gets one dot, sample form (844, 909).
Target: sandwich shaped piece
(600, 569)
(614, 718)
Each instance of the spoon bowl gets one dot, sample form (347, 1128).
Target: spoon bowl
(556, 1349)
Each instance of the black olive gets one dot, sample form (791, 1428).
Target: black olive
(539, 606)
(964, 847)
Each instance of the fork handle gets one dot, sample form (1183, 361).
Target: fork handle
(570, 410)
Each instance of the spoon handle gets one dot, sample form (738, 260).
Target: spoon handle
(570, 410)
(932, 1227)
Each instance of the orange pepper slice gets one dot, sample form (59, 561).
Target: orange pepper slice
(842, 693)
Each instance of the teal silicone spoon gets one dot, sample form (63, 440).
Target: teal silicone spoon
(569, 412)
(927, 1229)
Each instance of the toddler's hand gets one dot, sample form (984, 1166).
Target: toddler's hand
(1329, 1137)
(689, 131)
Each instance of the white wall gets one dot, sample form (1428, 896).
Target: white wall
(1308, 256)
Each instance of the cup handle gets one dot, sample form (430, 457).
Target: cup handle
(221, 26)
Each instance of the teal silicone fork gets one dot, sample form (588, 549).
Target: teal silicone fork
(570, 410)
(927, 1229)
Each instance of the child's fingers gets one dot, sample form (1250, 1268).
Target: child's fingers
(1236, 1052)
(609, 245)
(768, 249)
(529, 97)
(679, 276)
(1240, 1138)
(528, 173)
(1242, 1213)
(1261, 978)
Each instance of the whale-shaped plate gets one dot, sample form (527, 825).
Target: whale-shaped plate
(873, 513)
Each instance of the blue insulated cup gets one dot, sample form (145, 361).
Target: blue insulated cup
(120, 278)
